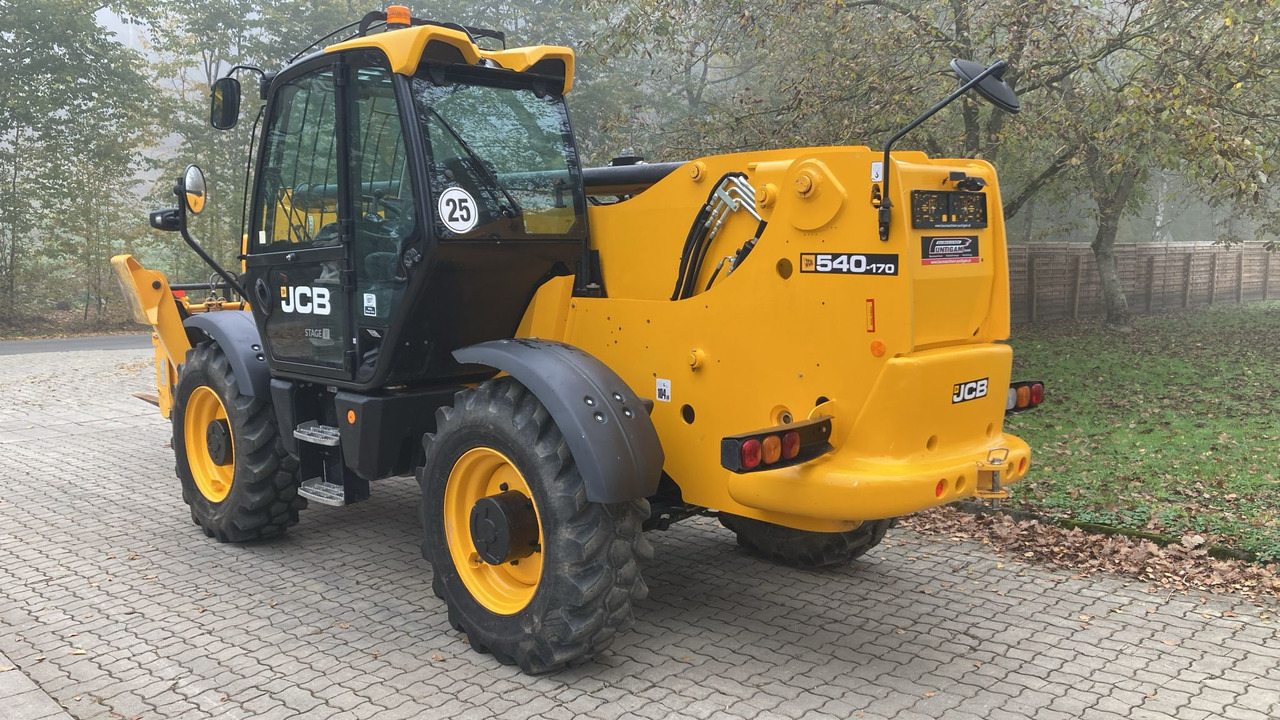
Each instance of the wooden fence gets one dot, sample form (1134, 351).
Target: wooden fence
(1059, 280)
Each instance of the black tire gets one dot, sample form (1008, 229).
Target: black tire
(263, 498)
(805, 549)
(590, 552)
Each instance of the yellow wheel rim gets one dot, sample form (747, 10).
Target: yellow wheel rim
(212, 479)
(502, 589)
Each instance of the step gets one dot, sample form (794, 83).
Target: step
(325, 493)
(313, 432)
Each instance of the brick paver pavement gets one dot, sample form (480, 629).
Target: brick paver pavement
(115, 605)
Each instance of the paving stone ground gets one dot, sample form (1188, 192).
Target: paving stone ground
(116, 606)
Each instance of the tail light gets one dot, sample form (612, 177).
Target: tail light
(790, 445)
(750, 454)
(1024, 395)
(776, 447)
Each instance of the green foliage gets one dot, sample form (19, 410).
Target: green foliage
(1171, 428)
(75, 112)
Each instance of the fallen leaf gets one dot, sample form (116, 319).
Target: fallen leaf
(77, 651)
(1171, 643)
(930, 694)
(437, 657)
(1086, 618)
(5, 668)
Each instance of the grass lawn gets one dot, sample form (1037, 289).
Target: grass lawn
(1172, 428)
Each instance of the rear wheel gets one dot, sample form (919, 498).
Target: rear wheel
(805, 549)
(531, 570)
(237, 478)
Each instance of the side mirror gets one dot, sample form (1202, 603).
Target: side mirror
(191, 189)
(224, 107)
(992, 87)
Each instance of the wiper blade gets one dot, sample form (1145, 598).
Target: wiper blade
(515, 210)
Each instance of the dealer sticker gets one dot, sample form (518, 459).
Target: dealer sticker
(949, 249)
(849, 263)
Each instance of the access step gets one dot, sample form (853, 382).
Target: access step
(325, 493)
(313, 432)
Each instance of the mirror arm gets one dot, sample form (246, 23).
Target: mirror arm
(232, 282)
(885, 203)
(253, 68)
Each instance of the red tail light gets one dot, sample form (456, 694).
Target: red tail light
(790, 445)
(776, 447)
(751, 453)
(1024, 395)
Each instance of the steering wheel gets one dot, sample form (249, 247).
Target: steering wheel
(390, 212)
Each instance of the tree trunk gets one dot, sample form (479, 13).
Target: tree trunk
(1110, 210)
(1160, 233)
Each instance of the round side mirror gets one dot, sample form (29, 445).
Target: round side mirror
(992, 87)
(224, 107)
(193, 189)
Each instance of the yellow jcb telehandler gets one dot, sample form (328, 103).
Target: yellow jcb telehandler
(804, 343)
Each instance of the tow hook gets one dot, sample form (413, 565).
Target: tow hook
(989, 470)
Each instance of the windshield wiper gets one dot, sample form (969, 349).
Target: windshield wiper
(514, 211)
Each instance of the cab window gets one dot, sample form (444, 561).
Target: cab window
(385, 218)
(298, 194)
(502, 159)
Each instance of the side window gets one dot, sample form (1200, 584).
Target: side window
(299, 180)
(385, 218)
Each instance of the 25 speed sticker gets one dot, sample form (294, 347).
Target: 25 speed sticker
(849, 263)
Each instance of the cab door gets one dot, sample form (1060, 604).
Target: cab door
(298, 260)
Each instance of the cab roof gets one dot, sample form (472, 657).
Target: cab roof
(407, 47)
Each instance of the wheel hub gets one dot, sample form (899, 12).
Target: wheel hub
(217, 438)
(504, 527)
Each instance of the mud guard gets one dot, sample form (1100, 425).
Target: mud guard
(237, 335)
(604, 422)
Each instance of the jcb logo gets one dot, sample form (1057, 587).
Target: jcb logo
(972, 390)
(305, 300)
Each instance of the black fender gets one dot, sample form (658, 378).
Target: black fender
(606, 425)
(237, 334)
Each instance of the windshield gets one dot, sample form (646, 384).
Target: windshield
(502, 164)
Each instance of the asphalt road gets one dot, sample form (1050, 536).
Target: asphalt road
(75, 344)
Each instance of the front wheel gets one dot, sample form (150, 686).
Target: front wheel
(805, 549)
(236, 476)
(531, 570)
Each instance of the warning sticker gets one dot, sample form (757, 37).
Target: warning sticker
(949, 250)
